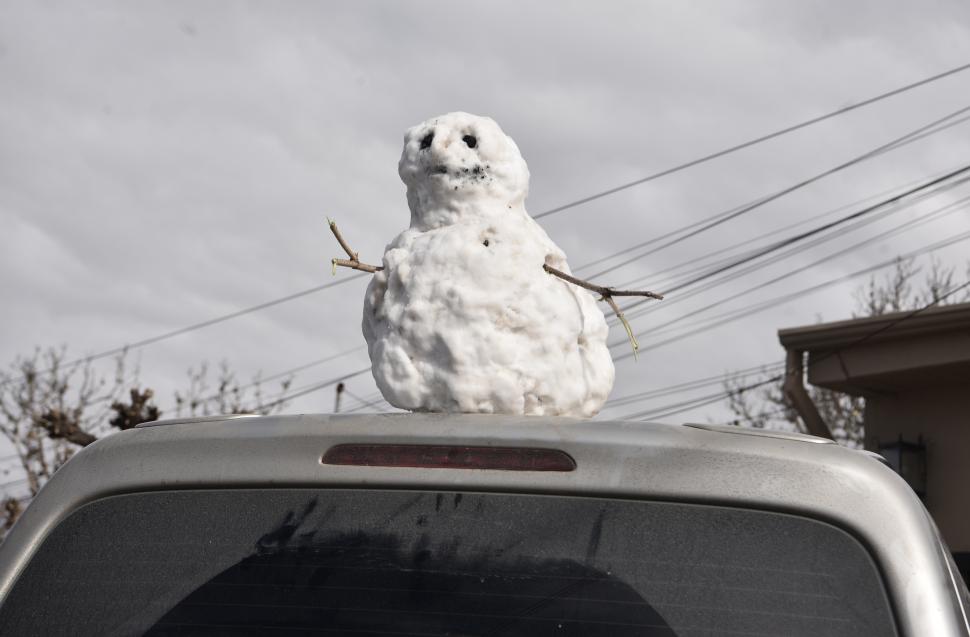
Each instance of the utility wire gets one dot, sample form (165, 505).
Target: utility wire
(728, 317)
(757, 254)
(688, 385)
(305, 366)
(316, 387)
(766, 415)
(724, 318)
(283, 395)
(719, 219)
(944, 243)
(923, 219)
(200, 325)
(754, 267)
(3, 485)
(735, 209)
(752, 142)
(688, 405)
(370, 400)
(291, 371)
(218, 319)
(887, 211)
(697, 268)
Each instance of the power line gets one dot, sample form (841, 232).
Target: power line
(218, 319)
(721, 218)
(316, 387)
(4, 485)
(291, 371)
(736, 208)
(719, 320)
(284, 394)
(766, 415)
(757, 140)
(371, 400)
(651, 277)
(305, 366)
(757, 254)
(688, 405)
(687, 385)
(888, 210)
(712, 380)
(733, 315)
(926, 218)
(202, 324)
(755, 267)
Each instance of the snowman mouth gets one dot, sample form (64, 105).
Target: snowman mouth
(475, 173)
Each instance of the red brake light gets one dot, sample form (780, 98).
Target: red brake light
(450, 457)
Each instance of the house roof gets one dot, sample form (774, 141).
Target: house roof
(891, 352)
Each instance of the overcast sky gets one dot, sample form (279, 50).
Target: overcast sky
(163, 163)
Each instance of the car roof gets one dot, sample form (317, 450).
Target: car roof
(702, 464)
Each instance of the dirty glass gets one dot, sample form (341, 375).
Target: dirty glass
(287, 562)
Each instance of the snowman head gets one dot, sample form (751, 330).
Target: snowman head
(460, 164)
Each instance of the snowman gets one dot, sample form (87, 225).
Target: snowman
(474, 309)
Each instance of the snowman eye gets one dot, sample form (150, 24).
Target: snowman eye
(426, 142)
(470, 140)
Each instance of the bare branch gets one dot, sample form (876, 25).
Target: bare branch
(626, 325)
(356, 265)
(59, 424)
(340, 239)
(354, 261)
(138, 410)
(599, 289)
(11, 509)
(607, 294)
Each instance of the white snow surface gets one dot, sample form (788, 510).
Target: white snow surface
(463, 318)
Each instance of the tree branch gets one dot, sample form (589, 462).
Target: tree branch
(59, 424)
(607, 294)
(354, 260)
(599, 289)
(356, 265)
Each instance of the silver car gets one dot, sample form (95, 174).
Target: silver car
(474, 525)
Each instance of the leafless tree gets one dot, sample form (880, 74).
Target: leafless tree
(766, 407)
(227, 396)
(137, 410)
(51, 407)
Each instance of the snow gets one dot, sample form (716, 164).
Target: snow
(463, 318)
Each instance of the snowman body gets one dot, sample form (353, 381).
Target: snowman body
(463, 318)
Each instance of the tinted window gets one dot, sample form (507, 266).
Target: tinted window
(394, 563)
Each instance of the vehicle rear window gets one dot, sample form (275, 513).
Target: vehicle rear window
(299, 561)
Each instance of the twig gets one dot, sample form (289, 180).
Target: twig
(607, 294)
(599, 289)
(626, 325)
(356, 265)
(354, 261)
